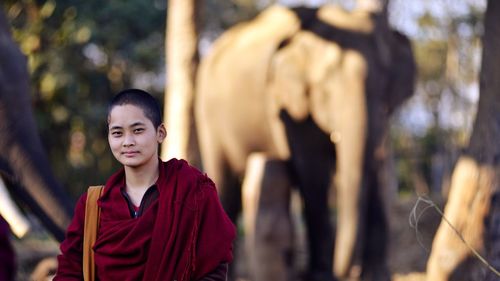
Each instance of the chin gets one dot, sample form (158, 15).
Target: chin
(131, 162)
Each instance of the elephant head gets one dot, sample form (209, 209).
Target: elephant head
(23, 162)
(316, 91)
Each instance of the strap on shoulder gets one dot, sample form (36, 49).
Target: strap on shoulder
(92, 213)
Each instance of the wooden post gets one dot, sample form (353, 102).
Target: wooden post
(181, 55)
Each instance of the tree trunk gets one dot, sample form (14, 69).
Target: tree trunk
(471, 207)
(181, 55)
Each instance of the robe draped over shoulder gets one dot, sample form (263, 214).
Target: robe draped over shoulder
(183, 235)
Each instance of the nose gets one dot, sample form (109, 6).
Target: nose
(129, 140)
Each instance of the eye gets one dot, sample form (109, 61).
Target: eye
(116, 134)
(138, 130)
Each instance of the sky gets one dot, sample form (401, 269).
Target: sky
(404, 13)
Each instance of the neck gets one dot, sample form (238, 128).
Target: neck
(142, 177)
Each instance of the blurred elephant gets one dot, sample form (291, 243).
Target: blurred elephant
(23, 162)
(314, 88)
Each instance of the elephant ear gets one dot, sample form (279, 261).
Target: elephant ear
(402, 73)
(395, 56)
(288, 88)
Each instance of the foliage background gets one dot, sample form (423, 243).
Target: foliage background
(82, 52)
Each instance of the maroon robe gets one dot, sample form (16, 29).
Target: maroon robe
(7, 256)
(183, 235)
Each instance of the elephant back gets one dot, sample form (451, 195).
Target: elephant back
(246, 50)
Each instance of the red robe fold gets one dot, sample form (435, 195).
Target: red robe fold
(7, 256)
(183, 235)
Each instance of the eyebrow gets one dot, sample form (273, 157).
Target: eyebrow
(138, 123)
(115, 128)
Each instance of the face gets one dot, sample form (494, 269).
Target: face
(132, 137)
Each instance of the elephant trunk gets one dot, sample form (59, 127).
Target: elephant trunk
(39, 190)
(350, 155)
(31, 177)
(350, 131)
(28, 169)
(348, 227)
(21, 151)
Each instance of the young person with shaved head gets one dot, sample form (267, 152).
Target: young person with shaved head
(158, 220)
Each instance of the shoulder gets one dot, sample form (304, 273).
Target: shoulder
(191, 179)
(82, 201)
(181, 165)
(90, 192)
(79, 211)
(187, 171)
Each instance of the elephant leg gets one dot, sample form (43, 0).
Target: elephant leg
(228, 188)
(314, 191)
(216, 166)
(374, 256)
(374, 260)
(312, 160)
(226, 182)
(230, 195)
(266, 218)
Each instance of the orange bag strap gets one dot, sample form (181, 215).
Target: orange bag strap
(92, 212)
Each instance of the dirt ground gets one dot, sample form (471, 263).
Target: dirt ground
(408, 249)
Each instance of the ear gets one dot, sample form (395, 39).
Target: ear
(401, 74)
(287, 81)
(161, 133)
